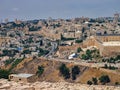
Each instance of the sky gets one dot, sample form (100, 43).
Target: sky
(40, 9)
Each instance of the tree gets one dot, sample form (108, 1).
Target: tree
(79, 49)
(75, 71)
(106, 66)
(27, 51)
(94, 81)
(85, 57)
(117, 83)
(4, 74)
(40, 70)
(41, 42)
(104, 79)
(78, 41)
(64, 71)
(89, 82)
(83, 30)
(105, 32)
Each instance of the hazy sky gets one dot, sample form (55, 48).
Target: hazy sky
(39, 9)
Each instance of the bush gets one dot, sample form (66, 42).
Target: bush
(116, 83)
(110, 67)
(27, 51)
(7, 62)
(104, 79)
(89, 82)
(78, 41)
(94, 81)
(79, 50)
(15, 63)
(40, 70)
(64, 71)
(85, 57)
(42, 52)
(75, 71)
(4, 74)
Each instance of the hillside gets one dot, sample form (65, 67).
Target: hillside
(51, 71)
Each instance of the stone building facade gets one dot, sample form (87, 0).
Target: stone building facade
(22, 77)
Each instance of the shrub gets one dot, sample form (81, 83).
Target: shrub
(104, 79)
(7, 62)
(79, 50)
(116, 83)
(89, 82)
(64, 71)
(40, 70)
(4, 74)
(94, 81)
(78, 41)
(75, 71)
(15, 63)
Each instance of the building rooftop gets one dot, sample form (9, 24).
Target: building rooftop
(111, 43)
(23, 75)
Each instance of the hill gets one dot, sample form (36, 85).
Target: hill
(52, 74)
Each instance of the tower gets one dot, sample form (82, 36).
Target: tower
(116, 18)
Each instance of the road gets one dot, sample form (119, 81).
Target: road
(78, 62)
(53, 48)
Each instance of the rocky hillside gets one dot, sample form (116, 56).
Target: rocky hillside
(52, 74)
(11, 85)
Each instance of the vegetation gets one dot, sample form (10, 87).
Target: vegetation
(79, 50)
(33, 28)
(64, 71)
(85, 57)
(78, 41)
(15, 63)
(4, 73)
(112, 59)
(41, 42)
(29, 40)
(9, 61)
(104, 79)
(9, 53)
(95, 81)
(117, 83)
(75, 72)
(89, 54)
(89, 82)
(42, 52)
(110, 67)
(40, 70)
(27, 51)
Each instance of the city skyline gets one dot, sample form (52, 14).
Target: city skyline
(40, 9)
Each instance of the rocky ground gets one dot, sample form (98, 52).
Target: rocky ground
(11, 85)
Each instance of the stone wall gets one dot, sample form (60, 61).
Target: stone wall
(104, 50)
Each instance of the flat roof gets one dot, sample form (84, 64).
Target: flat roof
(23, 75)
(112, 43)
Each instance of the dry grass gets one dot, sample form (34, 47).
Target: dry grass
(93, 72)
(51, 71)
